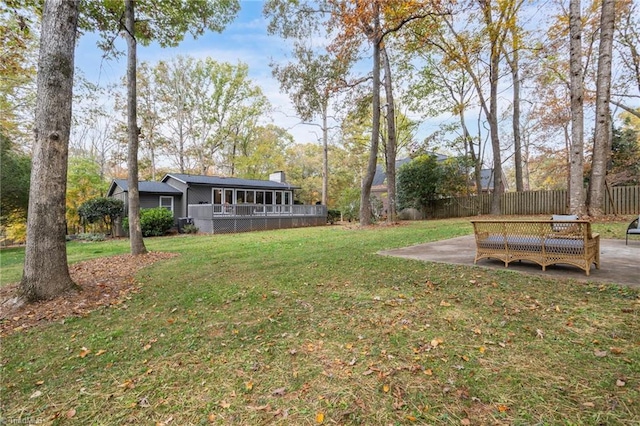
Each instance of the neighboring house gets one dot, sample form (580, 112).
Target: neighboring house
(379, 185)
(226, 204)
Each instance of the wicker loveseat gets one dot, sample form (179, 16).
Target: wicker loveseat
(545, 242)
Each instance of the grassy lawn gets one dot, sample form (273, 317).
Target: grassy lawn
(310, 326)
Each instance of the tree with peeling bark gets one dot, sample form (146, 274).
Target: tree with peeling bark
(145, 21)
(576, 153)
(46, 272)
(602, 137)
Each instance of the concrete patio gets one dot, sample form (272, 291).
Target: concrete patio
(619, 263)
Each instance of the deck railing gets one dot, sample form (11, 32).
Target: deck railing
(218, 218)
(209, 211)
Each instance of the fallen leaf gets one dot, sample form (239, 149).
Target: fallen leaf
(539, 333)
(279, 392)
(144, 402)
(616, 351)
(503, 408)
(443, 303)
(599, 353)
(84, 352)
(465, 422)
(36, 394)
(319, 418)
(70, 413)
(428, 372)
(366, 373)
(146, 347)
(40, 382)
(224, 404)
(411, 418)
(100, 352)
(385, 388)
(211, 418)
(482, 349)
(477, 331)
(436, 342)
(620, 383)
(259, 407)
(248, 386)
(588, 404)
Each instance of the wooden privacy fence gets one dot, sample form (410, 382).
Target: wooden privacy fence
(621, 200)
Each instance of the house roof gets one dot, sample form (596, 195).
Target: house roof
(144, 186)
(227, 181)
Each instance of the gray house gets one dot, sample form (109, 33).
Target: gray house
(217, 204)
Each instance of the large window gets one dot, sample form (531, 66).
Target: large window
(167, 203)
(217, 196)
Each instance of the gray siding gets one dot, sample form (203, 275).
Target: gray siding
(179, 203)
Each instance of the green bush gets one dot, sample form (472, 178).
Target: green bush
(333, 216)
(101, 210)
(154, 222)
(190, 229)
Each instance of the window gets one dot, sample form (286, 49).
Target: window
(167, 203)
(259, 197)
(228, 196)
(268, 197)
(240, 196)
(278, 197)
(287, 197)
(250, 197)
(217, 196)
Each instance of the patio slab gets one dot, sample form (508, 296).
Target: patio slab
(619, 263)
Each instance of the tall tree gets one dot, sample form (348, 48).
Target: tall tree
(576, 154)
(135, 228)
(311, 80)
(391, 143)
(46, 272)
(602, 137)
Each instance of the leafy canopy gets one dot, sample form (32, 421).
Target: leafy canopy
(165, 22)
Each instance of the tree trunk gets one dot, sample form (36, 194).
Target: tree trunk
(576, 170)
(517, 140)
(365, 196)
(391, 146)
(602, 133)
(325, 152)
(46, 272)
(135, 230)
(492, 114)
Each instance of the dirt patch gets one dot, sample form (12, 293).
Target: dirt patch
(104, 282)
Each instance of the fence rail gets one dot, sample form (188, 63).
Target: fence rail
(621, 200)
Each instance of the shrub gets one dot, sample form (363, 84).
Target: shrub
(101, 209)
(190, 229)
(155, 222)
(333, 216)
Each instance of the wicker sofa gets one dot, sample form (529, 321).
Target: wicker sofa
(545, 242)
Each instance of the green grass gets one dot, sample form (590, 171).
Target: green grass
(303, 325)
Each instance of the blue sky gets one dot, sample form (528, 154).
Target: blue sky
(244, 40)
